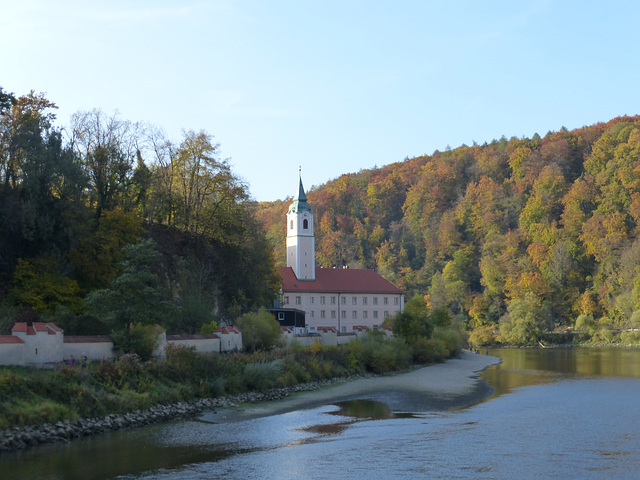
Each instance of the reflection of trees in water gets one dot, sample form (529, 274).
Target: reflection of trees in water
(357, 410)
(364, 409)
(535, 366)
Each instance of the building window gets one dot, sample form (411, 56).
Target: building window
(354, 300)
(311, 299)
(386, 314)
(396, 301)
(305, 224)
(333, 300)
(375, 314)
(286, 300)
(344, 329)
(344, 300)
(322, 314)
(322, 300)
(312, 314)
(364, 300)
(354, 314)
(298, 300)
(280, 315)
(343, 314)
(365, 314)
(333, 314)
(375, 300)
(386, 300)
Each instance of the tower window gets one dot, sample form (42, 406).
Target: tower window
(305, 224)
(291, 225)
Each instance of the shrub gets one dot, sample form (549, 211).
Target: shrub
(261, 375)
(23, 413)
(451, 339)
(260, 330)
(296, 370)
(385, 356)
(426, 350)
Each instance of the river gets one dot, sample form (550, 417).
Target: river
(554, 413)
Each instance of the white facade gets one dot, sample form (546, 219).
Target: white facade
(43, 342)
(344, 311)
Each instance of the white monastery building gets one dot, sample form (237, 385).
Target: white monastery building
(341, 298)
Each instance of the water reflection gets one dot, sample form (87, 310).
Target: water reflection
(356, 411)
(527, 367)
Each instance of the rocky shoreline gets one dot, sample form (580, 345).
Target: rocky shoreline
(65, 431)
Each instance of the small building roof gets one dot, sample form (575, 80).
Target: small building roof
(327, 329)
(227, 330)
(197, 336)
(7, 339)
(35, 327)
(338, 280)
(86, 339)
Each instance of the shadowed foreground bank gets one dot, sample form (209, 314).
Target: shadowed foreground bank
(452, 384)
(447, 385)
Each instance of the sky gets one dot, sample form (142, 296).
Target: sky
(328, 86)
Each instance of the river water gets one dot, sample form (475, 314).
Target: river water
(554, 413)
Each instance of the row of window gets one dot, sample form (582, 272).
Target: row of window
(343, 300)
(343, 314)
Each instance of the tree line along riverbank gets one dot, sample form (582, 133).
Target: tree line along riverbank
(59, 402)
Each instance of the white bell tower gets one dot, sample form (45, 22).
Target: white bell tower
(301, 245)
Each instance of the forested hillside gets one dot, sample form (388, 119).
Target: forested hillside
(105, 224)
(528, 233)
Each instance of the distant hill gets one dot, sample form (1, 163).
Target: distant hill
(551, 221)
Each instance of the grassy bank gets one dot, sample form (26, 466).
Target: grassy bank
(30, 396)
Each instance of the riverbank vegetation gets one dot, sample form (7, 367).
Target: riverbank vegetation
(31, 396)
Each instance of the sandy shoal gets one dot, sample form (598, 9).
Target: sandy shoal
(454, 383)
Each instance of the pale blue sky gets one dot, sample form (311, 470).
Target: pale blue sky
(333, 86)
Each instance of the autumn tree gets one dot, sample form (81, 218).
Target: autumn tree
(108, 148)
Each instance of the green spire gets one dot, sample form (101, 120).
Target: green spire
(301, 196)
(300, 201)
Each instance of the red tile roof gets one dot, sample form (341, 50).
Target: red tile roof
(10, 339)
(19, 327)
(195, 336)
(86, 339)
(327, 329)
(22, 327)
(338, 280)
(227, 330)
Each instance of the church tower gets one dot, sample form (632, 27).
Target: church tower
(301, 244)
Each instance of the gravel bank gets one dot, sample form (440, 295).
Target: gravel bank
(452, 384)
